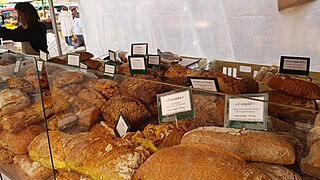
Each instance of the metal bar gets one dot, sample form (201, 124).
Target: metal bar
(54, 26)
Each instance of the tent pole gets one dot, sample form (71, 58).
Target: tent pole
(54, 25)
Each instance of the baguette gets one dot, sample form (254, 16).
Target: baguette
(256, 146)
(294, 86)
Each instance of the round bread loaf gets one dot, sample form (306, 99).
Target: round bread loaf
(295, 87)
(92, 96)
(276, 171)
(93, 64)
(106, 87)
(84, 55)
(196, 161)
(133, 110)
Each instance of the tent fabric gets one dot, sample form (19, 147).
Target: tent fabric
(246, 30)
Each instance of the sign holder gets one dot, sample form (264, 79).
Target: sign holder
(137, 64)
(294, 65)
(246, 113)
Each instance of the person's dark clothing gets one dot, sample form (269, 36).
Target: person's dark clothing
(36, 35)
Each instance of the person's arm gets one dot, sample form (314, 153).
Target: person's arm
(19, 34)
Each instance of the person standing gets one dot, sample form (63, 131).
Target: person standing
(66, 24)
(31, 32)
(77, 29)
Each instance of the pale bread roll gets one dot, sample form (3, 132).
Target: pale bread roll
(259, 146)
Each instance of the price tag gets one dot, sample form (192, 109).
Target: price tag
(122, 126)
(175, 105)
(73, 60)
(17, 67)
(295, 65)
(109, 68)
(83, 67)
(137, 65)
(1, 41)
(209, 84)
(139, 49)
(112, 55)
(247, 113)
(43, 56)
(39, 65)
(154, 61)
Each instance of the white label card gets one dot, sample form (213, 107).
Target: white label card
(246, 110)
(122, 127)
(154, 60)
(39, 65)
(112, 55)
(176, 103)
(109, 69)
(295, 64)
(17, 67)
(43, 56)
(1, 41)
(206, 84)
(139, 49)
(83, 66)
(73, 60)
(137, 63)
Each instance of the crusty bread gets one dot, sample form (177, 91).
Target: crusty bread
(317, 120)
(101, 156)
(133, 110)
(294, 87)
(209, 109)
(33, 170)
(311, 163)
(18, 143)
(84, 55)
(106, 87)
(196, 161)
(32, 77)
(71, 175)
(12, 100)
(6, 156)
(256, 146)
(92, 96)
(72, 89)
(276, 172)
(22, 84)
(62, 121)
(93, 64)
(62, 78)
(142, 88)
(313, 136)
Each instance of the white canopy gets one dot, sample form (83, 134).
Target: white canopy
(243, 30)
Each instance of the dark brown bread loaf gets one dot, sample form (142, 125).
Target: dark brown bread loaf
(22, 84)
(133, 110)
(294, 87)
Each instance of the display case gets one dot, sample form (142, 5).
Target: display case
(156, 126)
(22, 116)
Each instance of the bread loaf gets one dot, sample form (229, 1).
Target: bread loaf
(196, 161)
(6, 156)
(62, 78)
(33, 170)
(106, 87)
(276, 172)
(12, 100)
(84, 55)
(294, 87)
(133, 110)
(22, 84)
(311, 163)
(142, 88)
(313, 136)
(18, 143)
(71, 175)
(92, 64)
(101, 156)
(256, 146)
(92, 96)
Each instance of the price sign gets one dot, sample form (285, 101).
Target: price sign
(112, 55)
(175, 105)
(83, 67)
(39, 65)
(137, 65)
(17, 67)
(295, 65)
(154, 61)
(122, 126)
(73, 60)
(43, 56)
(109, 68)
(247, 113)
(209, 84)
(139, 49)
